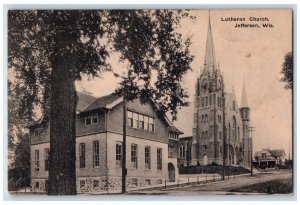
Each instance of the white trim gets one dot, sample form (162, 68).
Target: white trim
(114, 103)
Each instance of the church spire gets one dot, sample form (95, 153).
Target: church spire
(244, 102)
(210, 58)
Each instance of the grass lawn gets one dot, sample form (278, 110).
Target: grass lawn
(283, 186)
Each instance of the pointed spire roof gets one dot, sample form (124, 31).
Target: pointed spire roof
(210, 58)
(244, 102)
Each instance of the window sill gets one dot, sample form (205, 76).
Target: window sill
(141, 129)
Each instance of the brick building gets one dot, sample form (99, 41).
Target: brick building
(152, 146)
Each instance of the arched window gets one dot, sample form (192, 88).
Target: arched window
(234, 128)
(181, 151)
(202, 134)
(206, 134)
(202, 118)
(206, 118)
(239, 134)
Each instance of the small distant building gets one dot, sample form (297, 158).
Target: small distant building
(268, 158)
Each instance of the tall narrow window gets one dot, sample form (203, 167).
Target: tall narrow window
(151, 124)
(134, 155)
(233, 105)
(206, 101)
(37, 160)
(181, 151)
(46, 159)
(130, 119)
(135, 120)
(202, 102)
(82, 155)
(96, 161)
(170, 149)
(141, 122)
(159, 159)
(147, 157)
(146, 123)
(119, 154)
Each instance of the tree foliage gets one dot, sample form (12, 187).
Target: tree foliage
(146, 39)
(49, 49)
(19, 172)
(287, 70)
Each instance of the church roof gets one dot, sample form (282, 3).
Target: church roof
(244, 101)
(210, 58)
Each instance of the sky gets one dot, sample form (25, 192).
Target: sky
(253, 55)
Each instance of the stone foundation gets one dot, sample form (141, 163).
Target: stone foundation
(113, 184)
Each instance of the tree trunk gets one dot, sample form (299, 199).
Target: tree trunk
(62, 170)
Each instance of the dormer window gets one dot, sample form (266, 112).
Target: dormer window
(91, 120)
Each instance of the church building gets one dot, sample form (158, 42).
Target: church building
(221, 126)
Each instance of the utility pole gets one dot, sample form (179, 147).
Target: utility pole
(124, 169)
(251, 129)
(224, 134)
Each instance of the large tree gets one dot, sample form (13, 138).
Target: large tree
(49, 49)
(287, 70)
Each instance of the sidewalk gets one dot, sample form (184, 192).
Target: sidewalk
(187, 181)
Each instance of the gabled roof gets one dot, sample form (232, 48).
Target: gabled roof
(273, 153)
(104, 102)
(85, 100)
(277, 152)
(174, 129)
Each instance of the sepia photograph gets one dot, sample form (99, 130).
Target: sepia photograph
(150, 102)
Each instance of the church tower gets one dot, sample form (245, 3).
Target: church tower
(208, 110)
(247, 141)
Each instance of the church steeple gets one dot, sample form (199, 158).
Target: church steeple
(210, 58)
(244, 102)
